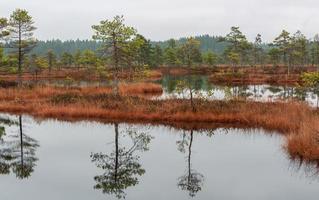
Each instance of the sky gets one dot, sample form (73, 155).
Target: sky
(165, 19)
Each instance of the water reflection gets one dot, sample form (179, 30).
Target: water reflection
(191, 181)
(121, 167)
(17, 151)
(199, 86)
(308, 169)
(236, 163)
(202, 88)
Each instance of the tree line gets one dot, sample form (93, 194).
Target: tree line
(120, 46)
(207, 43)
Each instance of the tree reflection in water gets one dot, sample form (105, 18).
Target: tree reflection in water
(17, 152)
(191, 181)
(121, 167)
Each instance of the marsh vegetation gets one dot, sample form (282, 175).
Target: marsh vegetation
(120, 79)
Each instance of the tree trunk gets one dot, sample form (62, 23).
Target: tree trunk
(192, 101)
(21, 142)
(20, 56)
(116, 65)
(191, 93)
(50, 67)
(189, 157)
(116, 127)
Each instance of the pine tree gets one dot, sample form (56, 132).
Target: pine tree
(3, 26)
(282, 42)
(22, 41)
(51, 59)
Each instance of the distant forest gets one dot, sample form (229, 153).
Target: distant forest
(71, 46)
(118, 45)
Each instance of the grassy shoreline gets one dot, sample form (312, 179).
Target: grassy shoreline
(296, 121)
(267, 74)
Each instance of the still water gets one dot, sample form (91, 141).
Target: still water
(202, 88)
(87, 160)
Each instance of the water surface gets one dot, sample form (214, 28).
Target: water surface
(87, 160)
(199, 85)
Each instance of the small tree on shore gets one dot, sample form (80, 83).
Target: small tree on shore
(134, 55)
(1, 55)
(114, 35)
(67, 59)
(3, 26)
(257, 50)
(274, 56)
(144, 51)
(78, 59)
(238, 46)
(37, 64)
(21, 30)
(311, 80)
(234, 59)
(283, 43)
(189, 54)
(51, 59)
(314, 51)
(299, 49)
(210, 58)
(170, 53)
(3, 33)
(158, 56)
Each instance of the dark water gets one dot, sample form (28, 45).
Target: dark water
(82, 161)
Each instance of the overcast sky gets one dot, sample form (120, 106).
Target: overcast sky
(164, 19)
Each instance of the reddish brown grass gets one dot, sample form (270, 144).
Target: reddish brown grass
(42, 93)
(244, 79)
(224, 74)
(77, 74)
(39, 93)
(296, 121)
(304, 144)
(155, 74)
(140, 88)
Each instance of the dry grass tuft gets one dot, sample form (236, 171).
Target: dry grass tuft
(140, 88)
(304, 144)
